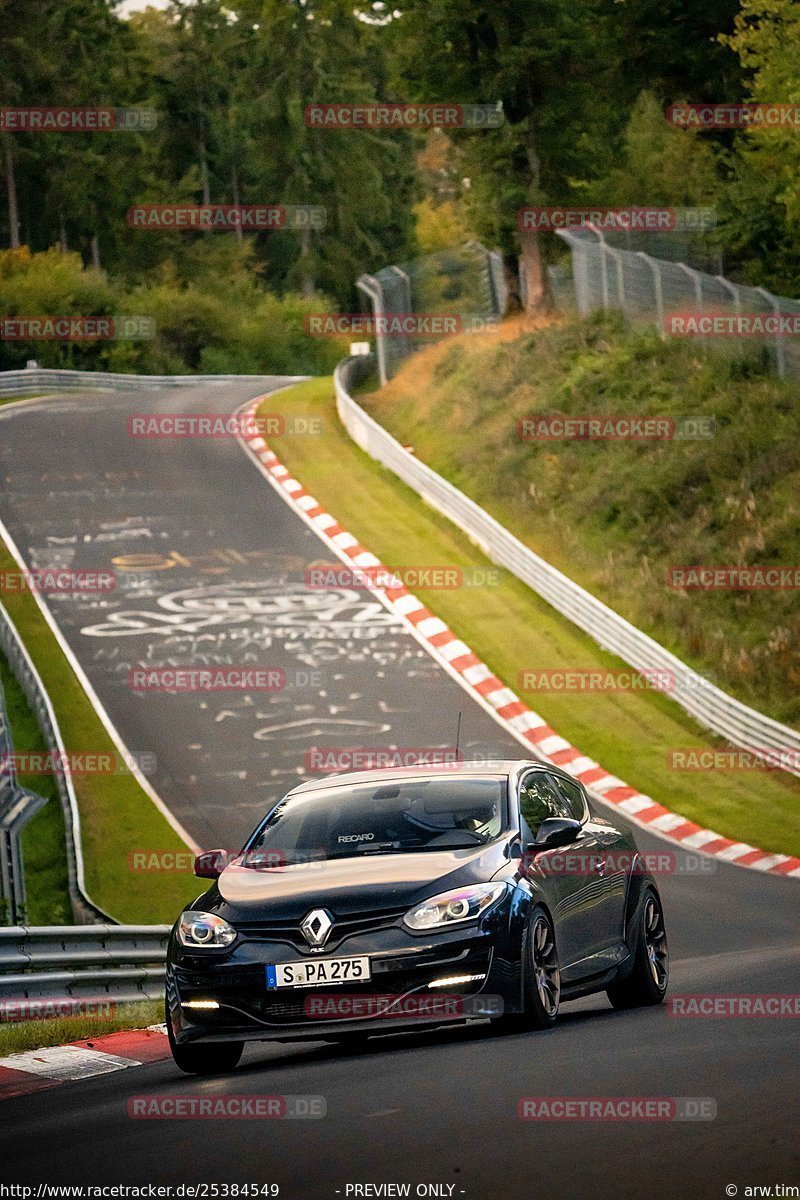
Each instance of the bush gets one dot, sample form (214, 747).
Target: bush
(213, 317)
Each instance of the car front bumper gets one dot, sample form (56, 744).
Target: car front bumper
(398, 995)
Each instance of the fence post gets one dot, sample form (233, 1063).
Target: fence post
(580, 285)
(617, 254)
(406, 287)
(603, 265)
(659, 294)
(371, 288)
(408, 304)
(497, 283)
(780, 357)
(698, 282)
(733, 289)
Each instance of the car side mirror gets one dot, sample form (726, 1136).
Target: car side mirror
(210, 864)
(556, 831)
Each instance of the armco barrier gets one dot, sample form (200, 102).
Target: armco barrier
(83, 908)
(118, 963)
(46, 379)
(18, 806)
(716, 710)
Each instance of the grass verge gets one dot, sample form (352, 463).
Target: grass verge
(117, 816)
(17, 1037)
(43, 847)
(512, 629)
(616, 516)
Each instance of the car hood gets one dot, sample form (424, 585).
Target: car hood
(355, 884)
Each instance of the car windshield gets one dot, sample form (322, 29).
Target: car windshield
(381, 818)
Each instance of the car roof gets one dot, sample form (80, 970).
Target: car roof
(501, 766)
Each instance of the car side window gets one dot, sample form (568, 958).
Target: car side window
(574, 796)
(539, 798)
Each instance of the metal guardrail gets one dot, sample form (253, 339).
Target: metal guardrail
(38, 379)
(17, 807)
(119, 963)
(83, 907)
(713, 708)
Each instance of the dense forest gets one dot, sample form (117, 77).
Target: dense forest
(584, 87)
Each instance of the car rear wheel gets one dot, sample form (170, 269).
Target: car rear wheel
(542, 977)
(647, 982)
(209, 1059)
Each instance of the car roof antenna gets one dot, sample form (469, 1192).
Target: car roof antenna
(458, 734)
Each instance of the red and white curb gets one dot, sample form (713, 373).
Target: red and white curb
(38, 1070)
(531, 730)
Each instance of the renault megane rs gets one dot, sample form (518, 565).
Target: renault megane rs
(376, 901)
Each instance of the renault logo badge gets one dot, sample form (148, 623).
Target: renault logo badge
(316, 927)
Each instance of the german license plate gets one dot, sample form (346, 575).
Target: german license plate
(311, 972)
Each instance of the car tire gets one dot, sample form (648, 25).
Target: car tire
(209, 1059)
(647, 981)
(541, 979)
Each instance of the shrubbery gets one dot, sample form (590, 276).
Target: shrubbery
(212, 317)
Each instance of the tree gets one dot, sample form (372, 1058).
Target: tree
(660, 164)
(549, 63)
(318, 51)
(765, 190)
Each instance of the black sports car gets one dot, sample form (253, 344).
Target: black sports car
(381, 900)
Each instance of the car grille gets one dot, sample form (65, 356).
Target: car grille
(343, 927)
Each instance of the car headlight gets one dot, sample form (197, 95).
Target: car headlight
(204, 929)
(462, 904)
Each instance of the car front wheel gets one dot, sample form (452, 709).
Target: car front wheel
(209, 1059)
(542, 976)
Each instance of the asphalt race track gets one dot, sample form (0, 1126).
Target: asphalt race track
(210, 571)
